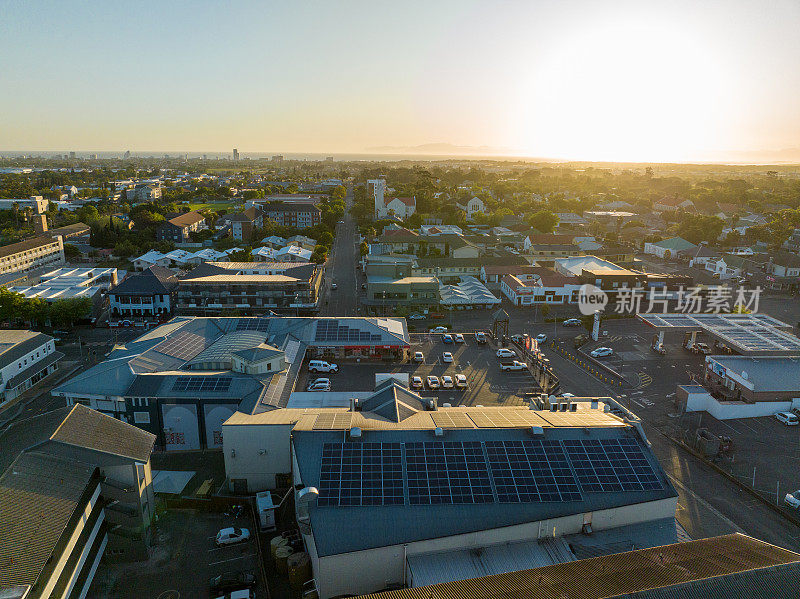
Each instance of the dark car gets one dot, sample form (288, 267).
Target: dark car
(231, 581)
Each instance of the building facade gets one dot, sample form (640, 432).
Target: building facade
(26, 358)
(31, 254)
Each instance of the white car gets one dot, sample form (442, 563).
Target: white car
(433, 382)
(787, 418)
(447, 357)
(792, 499)
(419, 356)
(459, 338)
(567, 395)
(572, 322)
(601, 352)
(439, 329)
(324, 387)
(230, 536)
(541, 338)
(480, 336)
(461, 381)
(447, 382)
(515, 365)
(416, 382)
(334, 286)
(504, 352)
(319, 381)
(322, 366)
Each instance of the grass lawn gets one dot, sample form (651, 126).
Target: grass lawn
(215, 206)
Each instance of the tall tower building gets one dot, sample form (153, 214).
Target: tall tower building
(377, 189)
(235, 154)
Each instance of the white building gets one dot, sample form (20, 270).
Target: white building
(376, 188)
(30, 254)
(473, 206)
(400, 207)
(37, 203)
(67, 283)
(26, 357)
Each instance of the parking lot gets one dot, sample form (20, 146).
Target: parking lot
(486, 383)
(183, 559)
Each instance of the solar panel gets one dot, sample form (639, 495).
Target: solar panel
(531, 471)
(454, 420)
(333, 330)
(611, 465)
(447, 472)
(253, 324)
(183, 346)
(354, 474)
(205, 384)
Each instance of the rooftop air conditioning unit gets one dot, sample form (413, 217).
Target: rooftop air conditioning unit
(355, 433)
(438, 431)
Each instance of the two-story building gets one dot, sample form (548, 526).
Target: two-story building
(26, 358)
(149, 293)
(177, 229)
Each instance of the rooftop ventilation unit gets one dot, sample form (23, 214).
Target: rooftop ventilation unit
(438, 431)
(355, 433)
(537, 431)
(447, 405)
(431, 405)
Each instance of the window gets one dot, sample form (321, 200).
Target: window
(141, 417)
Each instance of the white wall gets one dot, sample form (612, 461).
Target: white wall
(727, 410)
(248, 441)
(369, 571)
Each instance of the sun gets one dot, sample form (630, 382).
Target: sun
(627, 92)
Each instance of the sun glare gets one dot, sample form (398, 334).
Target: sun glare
(627, 92)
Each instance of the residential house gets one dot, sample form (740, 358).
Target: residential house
(672, 204)
(149, 293)
(177, 229)
(244, 224)
(568, 219)
(669, 249)
(293, 253)
(296, 216)
(785, 265)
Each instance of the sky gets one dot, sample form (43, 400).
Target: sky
(566, 79)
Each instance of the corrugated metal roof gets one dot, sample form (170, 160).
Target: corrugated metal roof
(722, 567)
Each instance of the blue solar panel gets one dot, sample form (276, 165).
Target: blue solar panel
(611, 465)
(447, 472)
(252, 324)
(354, 474)
(209, 384)
(531, 471)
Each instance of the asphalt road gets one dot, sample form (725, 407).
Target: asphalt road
(341, 269)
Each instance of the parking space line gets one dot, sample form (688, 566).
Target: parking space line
(232, 559)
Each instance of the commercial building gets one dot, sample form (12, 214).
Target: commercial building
(149, 293)
(70, 283)
(388, 292)
(74, 485)
(249, 287)
(36, 203)
(469, 293)
(26, 357)
(183, 379)
(384, 487)
(37, 252)
(541, 286)
(297, 216)
(753, 379)
(177, 229)
(722, 567)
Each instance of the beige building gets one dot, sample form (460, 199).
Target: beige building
(32, 253)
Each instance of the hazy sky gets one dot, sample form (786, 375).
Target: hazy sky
(584, 79)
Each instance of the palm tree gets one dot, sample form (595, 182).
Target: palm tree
(15, 206)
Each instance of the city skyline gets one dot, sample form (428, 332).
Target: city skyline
(652, 82)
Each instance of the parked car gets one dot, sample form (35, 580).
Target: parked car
(363, 285)
(541, 338)
(416, 316)
(319, 381)
(433, 382)
(231, 581)
(447, 357)
(231, 536)
(439, 329)
(322, 366)
(459, 338)
(518, 338)
(240, 594)
(447, 338)
(601, 352)
(334, 286)
(787, 418)
(480, 336)
(419, 356)
(792, 499)
(416, 382)
(323, 387)
(461, 381)
(572, 322)
(515, 365)
(447, 382)
(504, 352)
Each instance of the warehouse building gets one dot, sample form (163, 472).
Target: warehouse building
(74, 485)
(733, 565)
(182, 380)
(385, 485)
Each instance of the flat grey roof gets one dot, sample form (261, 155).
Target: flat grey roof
(767, 373)
(747, 334)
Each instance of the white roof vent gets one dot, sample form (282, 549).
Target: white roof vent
(537, 431)
(306, 495)
(355, 433)
(447, 405)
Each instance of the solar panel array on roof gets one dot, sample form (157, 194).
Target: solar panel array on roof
(531, 471)
(454, 420)
(447, 472)
(183, 345)
(361, 474)
(206, 384)
(331, 421)
(252, 324)
(463, 472)
(333, 330)
(611, 465)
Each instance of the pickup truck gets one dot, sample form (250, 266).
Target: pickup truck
(512, 366)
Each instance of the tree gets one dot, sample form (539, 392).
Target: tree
(543, 221)
(363, 249)
(698, 227)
